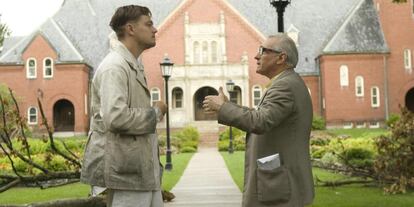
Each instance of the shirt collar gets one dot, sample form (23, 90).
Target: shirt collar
(120, 48)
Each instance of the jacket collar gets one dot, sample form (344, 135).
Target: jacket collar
(118, 47)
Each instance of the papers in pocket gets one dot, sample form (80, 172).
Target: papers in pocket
(269, 163)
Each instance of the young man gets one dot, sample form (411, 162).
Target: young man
(122, 150)
(278, 171)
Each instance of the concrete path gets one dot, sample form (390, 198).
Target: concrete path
(206, 182)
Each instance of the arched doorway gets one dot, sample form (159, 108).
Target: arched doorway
(199, 114)
(409, 100)
(63, 116)
(236, 95)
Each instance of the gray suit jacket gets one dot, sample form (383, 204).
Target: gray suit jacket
(122, 149)
(281, 124)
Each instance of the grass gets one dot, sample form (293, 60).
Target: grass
(358, 133)
(344, 196)
(78, 190)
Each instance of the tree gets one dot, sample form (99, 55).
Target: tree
(4, 32)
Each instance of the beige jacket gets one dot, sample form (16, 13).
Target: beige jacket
(121, 152)
(281, 124)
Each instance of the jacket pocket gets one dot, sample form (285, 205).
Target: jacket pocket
(273, 185)
(126, 156)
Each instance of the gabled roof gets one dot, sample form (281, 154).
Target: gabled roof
(85, 24)
(57, 39)
(360, 33)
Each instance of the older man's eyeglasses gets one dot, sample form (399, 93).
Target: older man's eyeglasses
(264, 49)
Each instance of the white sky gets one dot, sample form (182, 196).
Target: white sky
(24, 16)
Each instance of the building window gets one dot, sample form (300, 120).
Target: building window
(47, 68)
(407, 59)
(374, 124)
(155, 95)
(310, 93)
(177, 98)
(214, 52)
(235, 96)
(348, 125)
(359, 86)
(257, 94)
(360, 124)
(32, 115)
(343, 75)
(31, 68)
(196, 49)
(205, 52)
(375, 97)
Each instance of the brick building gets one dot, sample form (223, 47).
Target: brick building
(355, 57)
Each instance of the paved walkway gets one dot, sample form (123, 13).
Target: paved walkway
(206, 182)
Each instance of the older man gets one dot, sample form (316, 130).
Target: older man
(277, 162)
(122, 150)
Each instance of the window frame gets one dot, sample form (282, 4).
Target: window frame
(158, 91)
(343, 76)
(407, 59)
(359, 80)
(28, 68)
(29, 114)
(260, 90)
(377, 97)
(174, 98)
(51, 68)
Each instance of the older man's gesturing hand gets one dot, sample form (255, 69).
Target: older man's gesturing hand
(213, 103)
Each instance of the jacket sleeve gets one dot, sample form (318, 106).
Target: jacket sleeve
(277, 105)
(116, 114)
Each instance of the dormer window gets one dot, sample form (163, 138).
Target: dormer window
(31, 68)
(293, 33)
(47, 68)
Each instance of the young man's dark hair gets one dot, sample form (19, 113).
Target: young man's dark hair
(126, 14)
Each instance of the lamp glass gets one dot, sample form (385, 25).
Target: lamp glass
(230, 86)
(166, 67)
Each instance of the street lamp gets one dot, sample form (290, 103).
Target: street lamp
(230, 89)
(166, 69)
(280, 6)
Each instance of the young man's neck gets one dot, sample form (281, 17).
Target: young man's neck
(133, 47)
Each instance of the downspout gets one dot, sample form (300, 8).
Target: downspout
(386, 87)
(318, 69)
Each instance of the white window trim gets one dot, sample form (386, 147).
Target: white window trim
(28, 67)
(348, 125)
(362, 86)
(256, 88)
(358, 126)
(344, 75)
(376, 126)
(51, 67)
(174, 98)
(378, 97)
(28, 116)
(407, 58)
(159, 94)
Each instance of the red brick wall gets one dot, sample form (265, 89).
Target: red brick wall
(397, 21)
(341, 103)
(70, 81)
(312, 82)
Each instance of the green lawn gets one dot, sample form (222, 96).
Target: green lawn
(78, 190)
(344, 196)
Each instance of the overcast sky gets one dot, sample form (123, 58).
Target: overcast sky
(24, 16)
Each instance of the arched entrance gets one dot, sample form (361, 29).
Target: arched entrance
(63, 116)
(409, 100)
(199, 114)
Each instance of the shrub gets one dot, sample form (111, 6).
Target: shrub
(189, 133)
(358, 157)
(188, 149)
(318, 123)
(225, 135)
(395, 160)
(392, 120)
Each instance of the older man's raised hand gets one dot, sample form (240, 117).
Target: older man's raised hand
(213, 103)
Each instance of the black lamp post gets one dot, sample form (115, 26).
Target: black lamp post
(230, 89)
(166, 69)
(280, 6)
